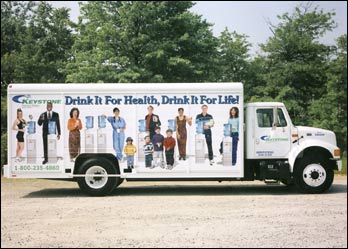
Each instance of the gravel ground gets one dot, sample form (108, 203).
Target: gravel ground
(42, 213)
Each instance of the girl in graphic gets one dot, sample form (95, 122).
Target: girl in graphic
(19, 125)
(181, 132)
(74, 127)
(233, 121)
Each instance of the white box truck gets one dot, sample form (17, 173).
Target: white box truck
(101, 134)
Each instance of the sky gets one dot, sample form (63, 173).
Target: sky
(249, 17)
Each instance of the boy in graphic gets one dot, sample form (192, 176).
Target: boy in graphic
(129, 151)
(157, 141)
(148, 151)
(169, 144)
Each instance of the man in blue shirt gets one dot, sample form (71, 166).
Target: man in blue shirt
(208, 123)
(118, 125)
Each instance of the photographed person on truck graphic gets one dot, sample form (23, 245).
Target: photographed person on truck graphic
(74, 127)
(129, 151)
(181, 132)
(118, 125)
(169, 144)
(148, 151)
(45, 119)
(157, 141)
(152, 122)
(233, 121)
(208, 123)
(19, 125)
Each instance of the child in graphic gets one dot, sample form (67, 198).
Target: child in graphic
(169, 144)
(148, 151)
(157, 141)
(19, 125)
(130, 150)
(234, 123)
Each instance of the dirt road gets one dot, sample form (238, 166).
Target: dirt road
(41, 213)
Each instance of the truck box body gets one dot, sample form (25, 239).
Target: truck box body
(96, 135)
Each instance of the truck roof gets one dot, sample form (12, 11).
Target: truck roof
(265, 104)
(125, 87)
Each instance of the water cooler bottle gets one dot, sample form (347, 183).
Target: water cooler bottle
(141, 139)
(89, 136)
(199, 142)
(227, 146)
(52, 142)
(172, 125)
(101, 134)
(31, 142)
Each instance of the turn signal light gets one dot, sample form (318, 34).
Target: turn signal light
(337, 153)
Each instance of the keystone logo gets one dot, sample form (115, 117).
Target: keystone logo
(269, 139)
(19, 98)
(26, 99)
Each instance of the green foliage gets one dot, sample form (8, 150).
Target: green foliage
(330, 111)
(35, 42)
(3, 149)
(232, 60)
(141, 42)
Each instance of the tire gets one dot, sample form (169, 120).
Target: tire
(313, 176)
(98, 186)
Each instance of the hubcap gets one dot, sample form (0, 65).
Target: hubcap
(96, 182)
(314, 175)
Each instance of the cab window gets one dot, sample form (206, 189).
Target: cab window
(265, 118)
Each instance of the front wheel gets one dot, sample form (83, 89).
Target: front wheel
(313, 175)
(97, 181)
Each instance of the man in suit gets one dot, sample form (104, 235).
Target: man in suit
(44, 120)
(152, 122)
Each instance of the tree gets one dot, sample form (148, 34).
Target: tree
(14, 16)
(47, 45)
(296, 62)
(232, 57)
(141, 42)
(330, 111)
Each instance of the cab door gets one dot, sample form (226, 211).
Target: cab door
(272, 133)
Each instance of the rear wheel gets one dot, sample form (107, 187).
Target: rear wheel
(97, 181)
(313, 175)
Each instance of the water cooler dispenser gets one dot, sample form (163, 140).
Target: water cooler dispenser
(141, 139)
(199, 142)
(227, 146)
(89, 136)
(31, 141)
(101, 134)
(172, 124)
(52, 142)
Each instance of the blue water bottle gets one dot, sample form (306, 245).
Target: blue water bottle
(142, 125)
(89, 122)
(101, 121)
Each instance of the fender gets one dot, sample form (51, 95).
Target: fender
(299, 148)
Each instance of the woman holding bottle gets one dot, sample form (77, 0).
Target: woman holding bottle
(74, 127)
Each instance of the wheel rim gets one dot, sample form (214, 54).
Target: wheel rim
(96, 182)
(314, 175)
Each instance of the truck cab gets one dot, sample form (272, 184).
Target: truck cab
(276, 149)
